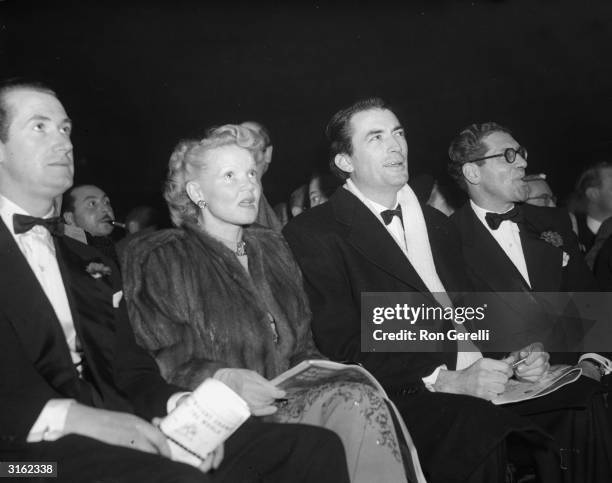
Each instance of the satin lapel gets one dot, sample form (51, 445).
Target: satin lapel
(372, 240)
(485, 258)
(32, 316)
(544, 261)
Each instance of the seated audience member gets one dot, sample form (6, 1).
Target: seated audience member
(74, 387)
(138, 221)
(540, 193)
(374, 236)
(513, 247)
(320, 188)
(266, 216)
(89, 208)
(217, 297)
(594, 189)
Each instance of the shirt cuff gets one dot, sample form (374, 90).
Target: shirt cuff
(51, 421)
(430, 380)
(174, 399)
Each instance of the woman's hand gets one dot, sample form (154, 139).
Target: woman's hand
(257, 391)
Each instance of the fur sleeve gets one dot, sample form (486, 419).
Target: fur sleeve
(158, 293)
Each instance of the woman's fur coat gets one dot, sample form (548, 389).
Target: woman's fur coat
(195, 308)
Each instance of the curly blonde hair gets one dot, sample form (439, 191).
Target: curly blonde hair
(187, 161)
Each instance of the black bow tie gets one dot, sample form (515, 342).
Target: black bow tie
(24, 223)
(495, 219)
(388, 215)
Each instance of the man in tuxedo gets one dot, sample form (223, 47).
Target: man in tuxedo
(89, 208)
(523, 260)
(374, 236)
(74, 386)
(513, 247)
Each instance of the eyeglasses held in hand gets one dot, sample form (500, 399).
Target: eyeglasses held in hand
(509, 154)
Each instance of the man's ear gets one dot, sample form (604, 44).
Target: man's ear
(194, 191)
(471, 173)
(69, 218)
(592, 193)
(343, 163)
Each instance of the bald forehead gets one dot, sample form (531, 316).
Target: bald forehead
(87, 191)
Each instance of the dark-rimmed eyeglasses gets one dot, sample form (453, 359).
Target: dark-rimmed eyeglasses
(509, 154)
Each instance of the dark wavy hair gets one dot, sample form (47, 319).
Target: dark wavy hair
(339, 133)
(469, 145)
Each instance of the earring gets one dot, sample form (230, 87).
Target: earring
(202, 204)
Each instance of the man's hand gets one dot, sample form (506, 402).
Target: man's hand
(486, 378)
(119, 429)
(535, 364)
(213, 460)
(253, 388)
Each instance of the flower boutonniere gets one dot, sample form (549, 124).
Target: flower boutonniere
(556, 240)
(553, 238)
(97, 269)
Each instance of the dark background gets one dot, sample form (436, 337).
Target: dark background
(137, 76)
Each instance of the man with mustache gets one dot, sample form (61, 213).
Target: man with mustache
(374, 236)
(75, 388)
(89, 208)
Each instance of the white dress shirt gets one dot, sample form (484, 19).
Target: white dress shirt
(414, 242)
(593, 224)
(509, 239)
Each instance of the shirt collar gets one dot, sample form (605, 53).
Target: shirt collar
(373, 205)
(8, 209)
(593, 224)
(481, 213)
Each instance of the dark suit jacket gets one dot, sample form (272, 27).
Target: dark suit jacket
(35, 363)
(527, 316)
(344, 250)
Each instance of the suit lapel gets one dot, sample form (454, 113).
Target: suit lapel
(485, 258)
(32, 316)
(367, 235)
(544, 261)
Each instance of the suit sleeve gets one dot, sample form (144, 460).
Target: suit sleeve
(336, 322)
(23, 391)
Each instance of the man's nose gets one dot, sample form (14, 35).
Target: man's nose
(519, 161)
(62, 142)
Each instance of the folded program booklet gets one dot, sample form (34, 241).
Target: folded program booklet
(205, 418)
(556, 377)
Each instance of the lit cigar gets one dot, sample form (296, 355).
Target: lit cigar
(116, 223)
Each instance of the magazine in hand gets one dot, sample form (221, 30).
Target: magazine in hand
(314, 372)
(206, 418)
(556, 377)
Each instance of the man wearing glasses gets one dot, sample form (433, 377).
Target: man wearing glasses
(511, 246)
(513, 252)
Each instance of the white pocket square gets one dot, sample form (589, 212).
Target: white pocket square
(117, 296)
(566, 258)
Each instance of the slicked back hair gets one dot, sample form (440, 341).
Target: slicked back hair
(339, 132)
(469, 145)
(590, 177)
(10, 85)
